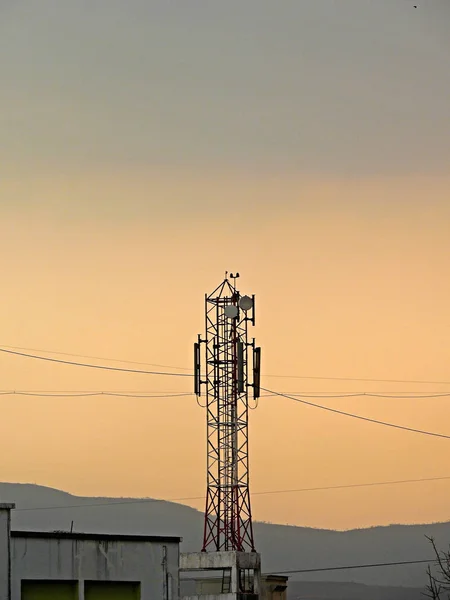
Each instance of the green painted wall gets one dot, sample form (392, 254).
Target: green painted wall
(49, 590)
(105, 590)
(68, 590)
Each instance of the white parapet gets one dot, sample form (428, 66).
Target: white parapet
(211, 597)
(205, 561)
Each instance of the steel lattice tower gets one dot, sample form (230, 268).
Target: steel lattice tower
(228, 517)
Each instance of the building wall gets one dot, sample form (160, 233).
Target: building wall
(241, 572)
(274, 587)
(5, 526)
(87, 560)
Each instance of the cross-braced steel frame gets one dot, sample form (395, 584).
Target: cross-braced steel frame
(228, 517)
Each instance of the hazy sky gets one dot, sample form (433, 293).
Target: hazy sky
(147, 147)
(354, 87)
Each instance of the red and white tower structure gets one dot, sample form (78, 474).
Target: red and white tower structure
(229, 378)
(227, 375)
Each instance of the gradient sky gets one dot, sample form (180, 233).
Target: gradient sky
(147, 147)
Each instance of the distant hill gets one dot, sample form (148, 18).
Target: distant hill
(350, 591)
(282, 547)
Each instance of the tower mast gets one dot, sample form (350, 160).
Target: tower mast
(228, 352)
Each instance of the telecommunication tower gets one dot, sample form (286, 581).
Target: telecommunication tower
(229, 376)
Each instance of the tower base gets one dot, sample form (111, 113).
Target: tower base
(223, 575)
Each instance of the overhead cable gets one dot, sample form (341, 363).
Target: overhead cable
(347, 567)
(360, 379)
(6, 349)
(366, 394)
(359, 417)
(92, 394)
(130, 362)
(269, 492)
(104, 367)
(155, 394)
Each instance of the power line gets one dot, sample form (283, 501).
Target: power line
(92, 394)
(5, 349)
(111, 503)
(366, 394)
(347, 567)
(130, 362)
(82, 391)
(359, 417)
(104, 367)
(144, 394)
(353, 485)
(269, 492)
(360, 379)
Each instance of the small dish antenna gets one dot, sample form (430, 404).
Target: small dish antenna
(231, 311)
(246, 303)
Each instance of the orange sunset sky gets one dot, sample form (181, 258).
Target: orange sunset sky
(147, 148)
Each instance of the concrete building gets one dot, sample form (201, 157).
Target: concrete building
(273, 587)
(237, 574)
(77, 566)
(228, 576)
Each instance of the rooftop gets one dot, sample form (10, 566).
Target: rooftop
(100, 537)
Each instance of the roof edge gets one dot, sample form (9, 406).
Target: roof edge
(110, 537)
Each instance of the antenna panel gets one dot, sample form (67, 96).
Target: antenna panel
(240, 367)
(256, 373)
(197, 369)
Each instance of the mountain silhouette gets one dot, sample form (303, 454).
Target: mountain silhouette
(282, 547)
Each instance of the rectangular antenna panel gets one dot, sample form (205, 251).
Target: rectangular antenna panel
(240, 367)
(256, 372)
(197, 368)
